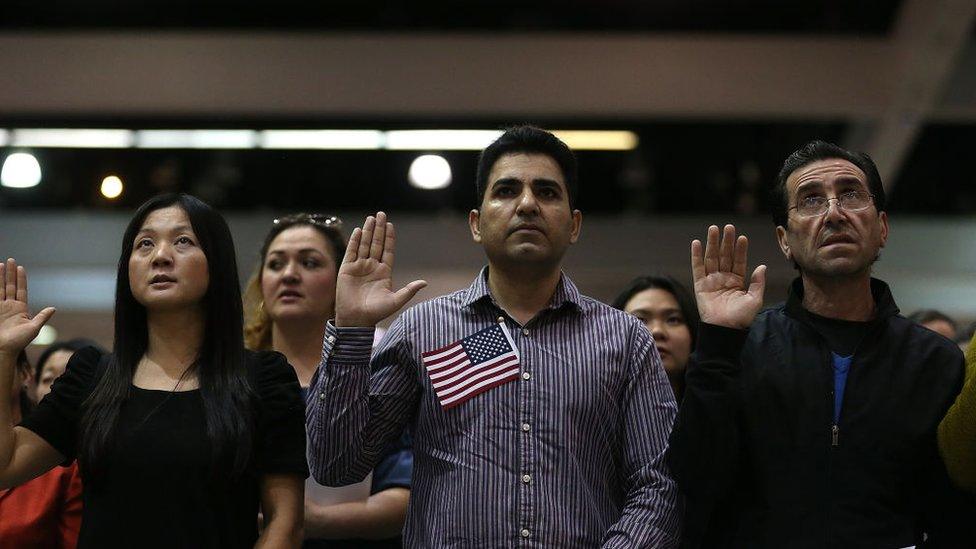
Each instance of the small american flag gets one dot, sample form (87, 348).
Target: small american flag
(473, 365)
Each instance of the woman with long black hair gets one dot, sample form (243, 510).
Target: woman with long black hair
(180, 433)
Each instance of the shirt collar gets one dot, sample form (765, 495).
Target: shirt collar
(566, 294)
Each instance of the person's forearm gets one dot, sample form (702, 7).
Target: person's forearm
(338, 409)
(348, 424)
(379, 517)
(280, 533)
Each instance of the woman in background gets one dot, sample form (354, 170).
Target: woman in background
(50, 365)
(288, 302)
(45, 511)
(671, 315)
(180, 433)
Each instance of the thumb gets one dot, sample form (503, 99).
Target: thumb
(406, 293)
(757, 286)
(41, 318)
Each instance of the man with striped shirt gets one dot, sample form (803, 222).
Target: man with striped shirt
(540, 416)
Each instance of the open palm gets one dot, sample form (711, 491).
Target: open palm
(364, 290)
(725, 297)
(17, 327)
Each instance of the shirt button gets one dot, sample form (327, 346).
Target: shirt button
(525, 533)
(501, 319)
(331, 339)
(526, 479)
(526, 376)
(525, 331)
(526, 427)
(321, 396)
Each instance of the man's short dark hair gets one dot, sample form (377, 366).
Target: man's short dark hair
(528, 139)
(821, 150)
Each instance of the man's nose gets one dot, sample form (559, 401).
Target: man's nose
(528, 202)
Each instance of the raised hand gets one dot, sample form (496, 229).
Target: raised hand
(364, 291)
(17, 327)
(725, 297)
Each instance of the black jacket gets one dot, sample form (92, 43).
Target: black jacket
(753, 447)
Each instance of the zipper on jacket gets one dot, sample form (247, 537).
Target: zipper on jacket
(835, 436)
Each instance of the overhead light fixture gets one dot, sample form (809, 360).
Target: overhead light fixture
(196, 139)
(597, 140)
(440, 140)
(72, 138)
(322, 139)
(429, 172)
(111, 187)
(307, 139)
(20, 171)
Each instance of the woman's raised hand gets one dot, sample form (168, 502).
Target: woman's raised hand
(17, 327)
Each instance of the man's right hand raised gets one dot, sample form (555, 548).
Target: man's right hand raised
(721, 289)
(364, 290)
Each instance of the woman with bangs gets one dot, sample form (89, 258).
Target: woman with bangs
(181, 434)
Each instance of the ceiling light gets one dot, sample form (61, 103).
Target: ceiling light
(441, 140)
(585, 140)
(111, 187)
(322, 139)
(20, 170)
(429, 171)
(196, 139)
(72, 138)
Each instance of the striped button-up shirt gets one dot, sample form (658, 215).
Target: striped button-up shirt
(571, 454)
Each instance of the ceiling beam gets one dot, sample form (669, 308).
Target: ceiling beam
(927, 41)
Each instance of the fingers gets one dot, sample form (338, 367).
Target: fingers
(726, 249)
(352, 248)
(379, 237)
(21, 284)
(367, 237)
(406, 293)
(390, 246)
(757, 285)
(741, 255)
(711, 250)
(697, 261)
(41, 318)
(10, 279)
(3, 284)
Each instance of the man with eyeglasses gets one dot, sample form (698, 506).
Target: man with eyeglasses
(813, 423)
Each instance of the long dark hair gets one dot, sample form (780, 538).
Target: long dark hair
(686, 302)
(220, 369)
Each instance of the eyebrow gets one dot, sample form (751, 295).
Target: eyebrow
(843, 179)
(543, 182)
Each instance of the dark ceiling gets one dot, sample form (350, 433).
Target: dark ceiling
(865, 17)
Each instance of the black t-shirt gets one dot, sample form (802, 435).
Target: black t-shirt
(842, 336)
(158, 490)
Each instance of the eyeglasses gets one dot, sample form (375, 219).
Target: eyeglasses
(318, 219)
(851, 201)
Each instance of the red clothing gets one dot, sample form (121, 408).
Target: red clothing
(44, 512)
